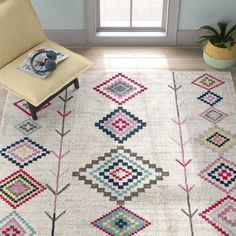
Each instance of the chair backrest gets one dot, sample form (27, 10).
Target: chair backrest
(20, 29)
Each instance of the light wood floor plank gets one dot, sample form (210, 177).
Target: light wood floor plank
(140, 58)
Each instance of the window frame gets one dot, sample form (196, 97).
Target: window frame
(135, 36)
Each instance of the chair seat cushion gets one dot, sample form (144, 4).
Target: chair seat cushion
(35, 90)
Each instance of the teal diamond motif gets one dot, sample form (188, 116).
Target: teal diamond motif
(118, 184)
(122, 222)
(14, 224)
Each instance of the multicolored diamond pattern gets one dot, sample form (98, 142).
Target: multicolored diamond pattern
(213, 115)
(18, 188)
(210, 98)
(23, 106)
(122, 222)
(28, 127)
(207, 82)
(221, 215)
(222, 174)
(120, 124)
(120, 175)
(15, 225)
(24, 152)
(217, 139)
(120, 88)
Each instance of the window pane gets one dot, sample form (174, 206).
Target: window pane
(115, 13)
(147, 13)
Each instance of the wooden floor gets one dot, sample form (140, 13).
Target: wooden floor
(140, 58)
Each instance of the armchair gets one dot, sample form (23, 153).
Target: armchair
(21, 33)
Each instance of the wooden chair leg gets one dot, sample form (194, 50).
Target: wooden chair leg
(76, 83)
(33, 111)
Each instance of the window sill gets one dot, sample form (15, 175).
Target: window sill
(130, 34)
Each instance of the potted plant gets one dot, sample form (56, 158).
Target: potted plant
(220, 49)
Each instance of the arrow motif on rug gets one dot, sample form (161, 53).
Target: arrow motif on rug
(59, 155)
(63, 134)
(189, 215)
(183, 162)
(59, 192)
(55, 218)
(53, 173)
(65, 99)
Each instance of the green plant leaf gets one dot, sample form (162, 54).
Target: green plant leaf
(206, 37)
(231, 32)
(211, 29)
(222, 26)
(228, 45)
(202, 39)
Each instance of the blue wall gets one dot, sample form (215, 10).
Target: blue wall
(70, 14)
(61, 14)
(195, 13)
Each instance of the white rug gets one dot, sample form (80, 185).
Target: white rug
(131, 153)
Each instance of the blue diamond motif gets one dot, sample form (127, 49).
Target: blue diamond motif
(210, 98)
(121, 221)
(120, 124)
(227, 180)
(24, 152)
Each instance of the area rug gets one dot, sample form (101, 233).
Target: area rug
(129, 153)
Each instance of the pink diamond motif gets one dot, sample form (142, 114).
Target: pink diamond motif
(18, 188)
(213, 115)
(222, 174)
(120, 88)
(120, 124)
(22, 105)
(24, 152)
(121, 173)
(221, 216)
(229, 215)
(207, 82)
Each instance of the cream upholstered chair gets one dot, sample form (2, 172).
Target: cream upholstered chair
(21, 33)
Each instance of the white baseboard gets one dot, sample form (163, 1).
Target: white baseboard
(79, 37)
(187, 37)
(68, 37)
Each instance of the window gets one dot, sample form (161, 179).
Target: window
(132, 21)
(132, 15)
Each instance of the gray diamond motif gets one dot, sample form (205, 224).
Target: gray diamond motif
(213, 115)
(120, 88)
(120, 175)
(28, 127)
